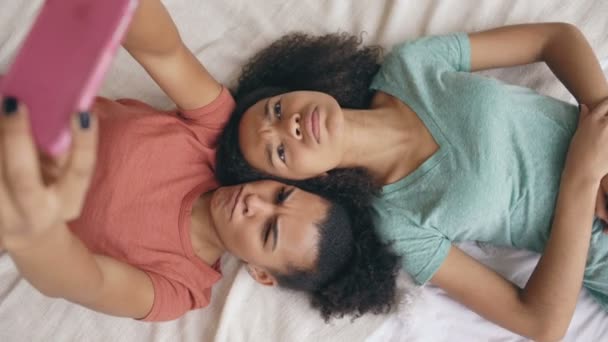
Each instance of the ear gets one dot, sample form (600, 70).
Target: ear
(261, 275)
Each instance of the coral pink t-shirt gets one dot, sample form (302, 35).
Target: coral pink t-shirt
(151, 167)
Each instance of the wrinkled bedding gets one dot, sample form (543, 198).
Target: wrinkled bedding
(223, 34)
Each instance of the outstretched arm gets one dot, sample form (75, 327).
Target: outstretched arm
(59, 265)
(154, 41)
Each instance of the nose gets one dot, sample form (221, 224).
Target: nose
(293, 126)
(255, 206)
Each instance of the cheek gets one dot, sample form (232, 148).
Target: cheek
(243, 245)
(248, 148)
(249, 142)
(308, 162)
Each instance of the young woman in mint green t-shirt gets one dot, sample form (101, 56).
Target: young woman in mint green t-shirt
(458, 156)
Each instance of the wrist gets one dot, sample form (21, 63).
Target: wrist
(582, 180)
(22, 243)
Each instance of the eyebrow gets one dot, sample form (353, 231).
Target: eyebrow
(267, 117)
(275, 233)
(269, 154)
(275, 224)
(267, 114)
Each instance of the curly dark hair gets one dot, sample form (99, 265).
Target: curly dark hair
(336, 64)
(355, 272)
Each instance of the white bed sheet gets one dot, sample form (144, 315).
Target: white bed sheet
(224, 34)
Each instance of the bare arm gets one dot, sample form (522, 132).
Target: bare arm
(562, 46)
(154, 41)
(542, 310)
(59, 265)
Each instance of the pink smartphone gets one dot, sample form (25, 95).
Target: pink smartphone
(61, 64)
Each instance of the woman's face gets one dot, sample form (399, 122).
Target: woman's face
(296, 135)
(268, 224)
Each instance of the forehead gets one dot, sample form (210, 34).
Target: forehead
(303, 204)
(250, 142)
(254, 114)
(258, 106)
(299, 221)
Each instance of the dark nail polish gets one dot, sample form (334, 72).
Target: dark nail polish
(9, 105)
(85, 120)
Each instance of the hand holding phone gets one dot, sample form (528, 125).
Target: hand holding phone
(61, 64)
(25, 217)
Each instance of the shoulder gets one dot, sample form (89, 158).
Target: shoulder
(437, 50)
(216, 112)
(180, 287)
(434, 43)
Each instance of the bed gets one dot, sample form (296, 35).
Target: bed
(224, 34)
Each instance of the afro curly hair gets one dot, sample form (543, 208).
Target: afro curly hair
(337, 64)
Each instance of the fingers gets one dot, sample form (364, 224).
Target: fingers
(6, 206)
(72, 186)
(20, 165)
(52, 167)
(600, 206)
(22, 186)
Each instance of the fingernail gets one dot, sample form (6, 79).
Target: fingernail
(9, 105)
(579, 107)
(84, 119)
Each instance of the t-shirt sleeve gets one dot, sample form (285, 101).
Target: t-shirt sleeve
(213, 116)
(424, 58)
(172, 299)
(422, 252)
(448, 52)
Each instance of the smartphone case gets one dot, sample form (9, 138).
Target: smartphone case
(61, 64)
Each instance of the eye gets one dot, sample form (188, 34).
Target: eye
(281, 152)
(281, 196)
(267, 230)
(277, 110)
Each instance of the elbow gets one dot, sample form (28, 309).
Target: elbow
(570, 29)
(560, 31)
(566, 26)
(559, 36)
(549, 337)
(567, 31)
(545, 325)
(51, 293)
(561, 27)
(549, 332)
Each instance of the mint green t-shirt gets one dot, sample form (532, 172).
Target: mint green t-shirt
(496, 175)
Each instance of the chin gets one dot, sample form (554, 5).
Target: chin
(334, 125)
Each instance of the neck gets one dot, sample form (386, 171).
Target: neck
(389, 156)
(203, 232)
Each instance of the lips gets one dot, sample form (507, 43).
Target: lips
(313, 125)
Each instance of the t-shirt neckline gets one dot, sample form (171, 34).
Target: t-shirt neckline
(435, 132)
